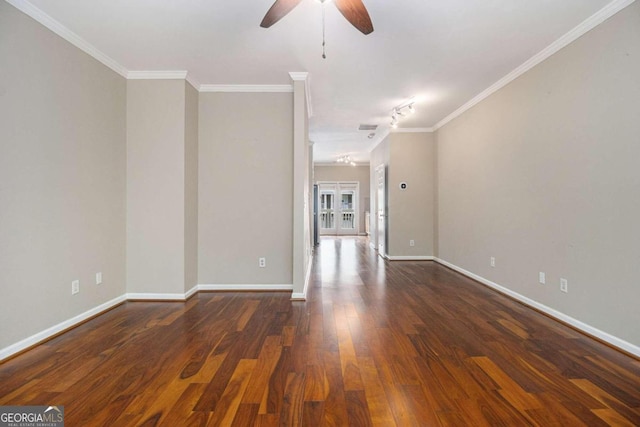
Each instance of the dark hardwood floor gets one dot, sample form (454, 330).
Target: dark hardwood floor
(377, 343)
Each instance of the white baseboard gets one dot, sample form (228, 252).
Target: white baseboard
(604, 336)
(154, 297)
(67, 324)
(206, 287)
(249, 287)
(302, 296)
(410, 258)
(48, 333)
(190, 292)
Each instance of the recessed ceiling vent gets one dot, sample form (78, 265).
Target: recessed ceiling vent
(368, 127)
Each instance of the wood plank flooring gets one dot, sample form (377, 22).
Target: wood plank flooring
(378, 343)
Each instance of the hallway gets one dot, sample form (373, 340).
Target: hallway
(377, 343)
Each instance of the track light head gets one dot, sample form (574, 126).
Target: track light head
(402, 110)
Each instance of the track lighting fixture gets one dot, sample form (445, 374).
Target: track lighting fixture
(401, 111)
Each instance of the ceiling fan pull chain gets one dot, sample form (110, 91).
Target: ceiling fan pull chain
(324, 56)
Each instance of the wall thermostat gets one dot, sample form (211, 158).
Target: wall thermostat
(403, 185)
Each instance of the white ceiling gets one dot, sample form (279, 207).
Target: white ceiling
(443, 52)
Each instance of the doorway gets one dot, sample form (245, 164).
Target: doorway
(338, 203)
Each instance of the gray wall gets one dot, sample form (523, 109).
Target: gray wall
(544, 175)
(348, 173)
(410, 158)
(411, 211)
(62, 179)
(245, 188)
(156, 186)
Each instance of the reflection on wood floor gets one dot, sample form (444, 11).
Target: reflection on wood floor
(377, 343)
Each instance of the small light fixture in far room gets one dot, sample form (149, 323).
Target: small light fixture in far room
(346, 159)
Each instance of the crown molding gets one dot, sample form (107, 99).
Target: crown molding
(157, 75)
(246, 88)
(298, 75)
(55, 26)
(413, 130)
(593, 21)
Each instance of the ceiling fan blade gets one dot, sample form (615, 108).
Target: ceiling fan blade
(278, 11)
(356, 13)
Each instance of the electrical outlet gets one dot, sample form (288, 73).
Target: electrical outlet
(98, 278)
(262, 262)
(542, 278)
(492, 261)
(412, 242)
(564, 285)
(75, 287)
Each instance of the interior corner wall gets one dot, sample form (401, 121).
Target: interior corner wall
(191, 188)
(62, 179)
(301, 246)
(411, 210)
(245, 188)
(543, 175)
(310, 201)
(156, 186)
(348, 173)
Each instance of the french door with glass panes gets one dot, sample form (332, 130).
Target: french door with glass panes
(338, 202)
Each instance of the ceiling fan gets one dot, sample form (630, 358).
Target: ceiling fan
(353, 10)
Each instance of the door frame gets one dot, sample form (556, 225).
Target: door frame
(382, 213)
(337, 207)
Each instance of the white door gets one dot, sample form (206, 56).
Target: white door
(381, 207)
(327, 220)
(338, 203)
(348, 209)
